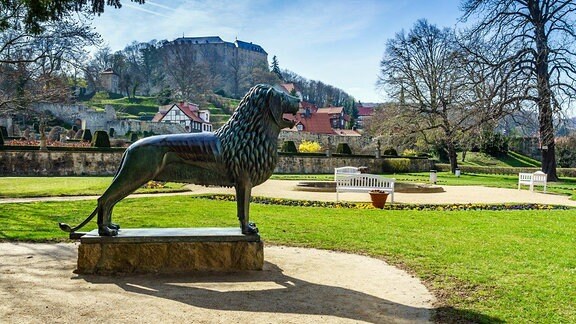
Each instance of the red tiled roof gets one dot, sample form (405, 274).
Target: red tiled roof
(365, 111)
(316, 123)
(189, 109)
(330, 110)
(158, 117)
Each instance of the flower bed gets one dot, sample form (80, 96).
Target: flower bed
(439, 207)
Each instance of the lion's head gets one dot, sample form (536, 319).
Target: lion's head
(282, 104)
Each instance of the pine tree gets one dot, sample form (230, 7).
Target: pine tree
(275, 68)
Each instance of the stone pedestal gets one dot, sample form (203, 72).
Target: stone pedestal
(170, 250)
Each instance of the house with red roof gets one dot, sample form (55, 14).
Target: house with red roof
(365, 113)
(186, 114)
(329, 120)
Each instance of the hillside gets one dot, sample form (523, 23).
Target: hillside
(144, 108)
(513, 159)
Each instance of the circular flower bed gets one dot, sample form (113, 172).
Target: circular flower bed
(439, 207)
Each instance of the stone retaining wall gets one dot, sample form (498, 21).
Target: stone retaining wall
(65, 163)
(359, 144)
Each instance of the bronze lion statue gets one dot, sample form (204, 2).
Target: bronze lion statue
(242, 154)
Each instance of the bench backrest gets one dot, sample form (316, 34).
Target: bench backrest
(525, 176)
(345, 172)
(365, 181)
(539, 177)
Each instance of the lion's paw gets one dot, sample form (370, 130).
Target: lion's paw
(106, 230)
(250, 229)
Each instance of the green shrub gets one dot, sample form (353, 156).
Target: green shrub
(133, 137)
(289, 147)
(111, 132)
(87, 135)
(396, 165)
(101, 139)
(1, 139)
(390, 151)
(343, 148)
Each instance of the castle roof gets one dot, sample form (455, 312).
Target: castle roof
(217, 40)
(250, 47)
(199, 40)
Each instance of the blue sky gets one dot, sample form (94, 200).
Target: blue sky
(337, 42)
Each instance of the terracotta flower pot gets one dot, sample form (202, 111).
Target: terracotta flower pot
(378, 198)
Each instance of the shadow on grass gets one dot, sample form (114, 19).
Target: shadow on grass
(450, 314)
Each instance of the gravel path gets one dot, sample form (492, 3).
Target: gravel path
(37, 285)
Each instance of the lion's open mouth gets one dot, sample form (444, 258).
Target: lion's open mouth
(289, 119)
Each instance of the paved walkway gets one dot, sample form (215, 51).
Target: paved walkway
(287, 189)
(297, 285)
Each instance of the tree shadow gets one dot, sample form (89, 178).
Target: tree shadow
(269, 290)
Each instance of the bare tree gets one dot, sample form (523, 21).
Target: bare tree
(33, 67)
(185, 72)
(538, 37)
(440, 94)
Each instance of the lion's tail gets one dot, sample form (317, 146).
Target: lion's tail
(66, 228)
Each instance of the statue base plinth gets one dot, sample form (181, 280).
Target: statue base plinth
(169, 250)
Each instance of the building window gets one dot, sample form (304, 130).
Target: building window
(300, 127)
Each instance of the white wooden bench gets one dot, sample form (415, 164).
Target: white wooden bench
(365, 183)
(344, 172)
(531, 179)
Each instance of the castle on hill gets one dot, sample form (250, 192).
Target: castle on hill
(229, 64)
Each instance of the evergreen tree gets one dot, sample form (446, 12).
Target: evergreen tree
(275, 68)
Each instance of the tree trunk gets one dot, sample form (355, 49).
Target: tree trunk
(452, 156)
(544, 99)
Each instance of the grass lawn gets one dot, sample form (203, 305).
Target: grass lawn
(514, 266)
(17, 187)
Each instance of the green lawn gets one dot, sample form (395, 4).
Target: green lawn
(17, 187)
(513, 266)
